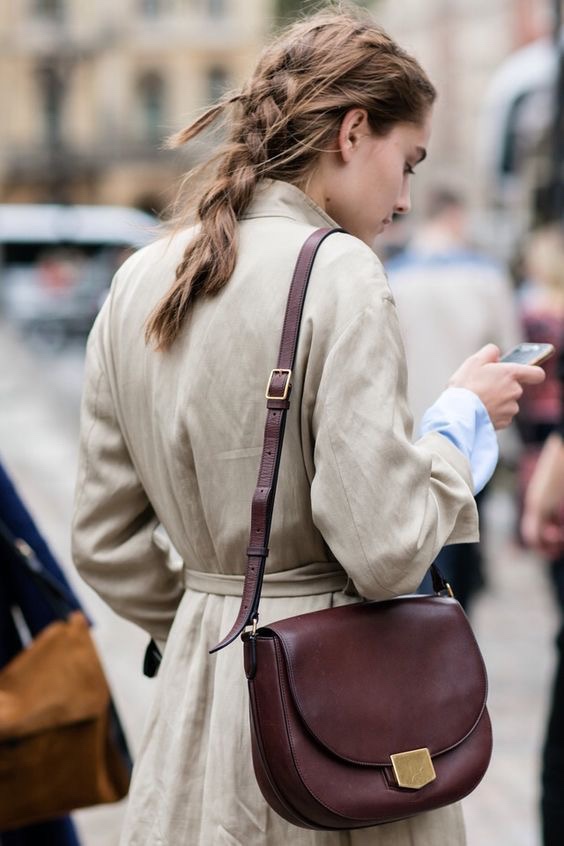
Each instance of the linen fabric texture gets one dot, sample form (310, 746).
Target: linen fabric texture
(173, 439)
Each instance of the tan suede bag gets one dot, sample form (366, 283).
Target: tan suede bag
(61, 744)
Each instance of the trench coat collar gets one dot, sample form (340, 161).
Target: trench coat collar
(274, 198)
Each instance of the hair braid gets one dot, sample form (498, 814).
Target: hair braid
(288, 113)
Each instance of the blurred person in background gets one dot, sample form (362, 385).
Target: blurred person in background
(17, 589)
(451, 300)
(542, 485)
(325, 133)
(541, 311)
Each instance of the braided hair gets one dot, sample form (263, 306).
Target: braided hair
(286, 115)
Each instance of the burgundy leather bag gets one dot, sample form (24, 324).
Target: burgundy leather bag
(366, 713)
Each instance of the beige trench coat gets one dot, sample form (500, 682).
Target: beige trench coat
(174, 439)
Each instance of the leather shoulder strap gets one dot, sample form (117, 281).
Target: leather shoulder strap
(277, 404)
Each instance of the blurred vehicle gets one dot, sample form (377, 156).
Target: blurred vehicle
(57, 263)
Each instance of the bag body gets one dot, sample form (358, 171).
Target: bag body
(56, 749)
(335, 693)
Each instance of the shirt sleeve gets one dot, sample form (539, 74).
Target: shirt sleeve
(114, 537)
(460, 416)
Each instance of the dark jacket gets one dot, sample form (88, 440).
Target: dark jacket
(17, 588)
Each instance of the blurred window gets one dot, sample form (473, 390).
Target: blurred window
(151, 8)
(51, 94)
(218, 82)
(216, 8)
(151, 94)
(50, 8)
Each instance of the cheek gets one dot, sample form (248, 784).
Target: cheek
(388, 175)
(397, 183)
(389, 189)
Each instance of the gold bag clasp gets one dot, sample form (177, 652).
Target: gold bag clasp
(413, 769)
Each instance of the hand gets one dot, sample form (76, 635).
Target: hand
(498, 384)
(542, 524)
(543, 532)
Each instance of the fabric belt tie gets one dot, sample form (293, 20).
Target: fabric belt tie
(308, 580)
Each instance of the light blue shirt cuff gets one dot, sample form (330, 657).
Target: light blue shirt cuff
(460, 416)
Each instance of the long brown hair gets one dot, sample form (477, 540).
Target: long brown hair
(288, 112)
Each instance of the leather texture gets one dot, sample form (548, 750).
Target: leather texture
(57, 752)
(335, 693)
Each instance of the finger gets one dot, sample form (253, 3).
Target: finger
(512, 411)
(526, 374)
(488, 353)
(506, 419)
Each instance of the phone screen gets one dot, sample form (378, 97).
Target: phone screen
(528, 353)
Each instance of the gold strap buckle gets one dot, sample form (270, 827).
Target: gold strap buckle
(287, 385)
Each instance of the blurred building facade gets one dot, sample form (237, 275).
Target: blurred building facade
(90, 90)
(465, 47)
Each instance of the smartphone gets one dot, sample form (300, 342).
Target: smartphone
(528, 353)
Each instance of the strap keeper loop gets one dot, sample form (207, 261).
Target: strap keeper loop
(258, 552)
(278, 404)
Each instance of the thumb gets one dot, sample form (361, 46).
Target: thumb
(489, 353)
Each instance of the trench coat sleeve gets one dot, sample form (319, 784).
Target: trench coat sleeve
(113, 544)
(384, 505)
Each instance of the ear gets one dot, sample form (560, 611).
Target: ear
(354, 126)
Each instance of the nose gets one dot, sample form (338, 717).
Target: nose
(403, 203)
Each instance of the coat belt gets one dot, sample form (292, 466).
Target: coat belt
(308, 580)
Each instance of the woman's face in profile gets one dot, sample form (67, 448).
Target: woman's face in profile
(366, 180)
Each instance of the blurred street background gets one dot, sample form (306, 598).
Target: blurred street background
(88, 93)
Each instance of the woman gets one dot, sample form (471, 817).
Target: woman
(326, 133)
(542, 314)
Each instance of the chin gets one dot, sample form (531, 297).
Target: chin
(366, 239)
(366, 236)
